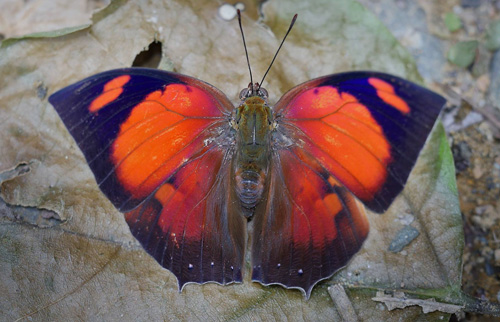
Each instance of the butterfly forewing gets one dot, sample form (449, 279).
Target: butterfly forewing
(365, 128)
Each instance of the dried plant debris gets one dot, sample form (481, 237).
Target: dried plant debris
(399, 300)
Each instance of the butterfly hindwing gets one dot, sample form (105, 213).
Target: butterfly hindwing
(307, 228)
(192, 225)
(365, 128)
(158, 145)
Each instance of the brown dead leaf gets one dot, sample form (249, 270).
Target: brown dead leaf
(90, 267)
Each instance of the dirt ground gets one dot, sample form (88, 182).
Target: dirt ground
(475, 141)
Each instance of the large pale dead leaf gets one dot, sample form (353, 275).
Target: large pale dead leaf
(86, 264)
(21, 17)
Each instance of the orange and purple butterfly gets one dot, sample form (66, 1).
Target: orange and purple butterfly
(190, 171)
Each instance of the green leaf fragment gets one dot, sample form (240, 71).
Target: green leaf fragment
(463, 53)
(452, 21)
(493, 35)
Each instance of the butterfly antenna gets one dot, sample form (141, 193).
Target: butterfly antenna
(245, 45)
(275, 55)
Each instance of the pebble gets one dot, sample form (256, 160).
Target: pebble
(483, 82)
(497, 256)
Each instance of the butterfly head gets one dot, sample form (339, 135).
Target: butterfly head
(253, 90)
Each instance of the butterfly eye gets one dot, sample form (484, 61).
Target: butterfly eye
(244, 93)
(263, 93)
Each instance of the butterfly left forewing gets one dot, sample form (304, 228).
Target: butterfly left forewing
(136, 126)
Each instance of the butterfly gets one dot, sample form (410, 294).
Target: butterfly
(198, 179)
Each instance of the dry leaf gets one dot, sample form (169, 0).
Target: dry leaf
(88, 266)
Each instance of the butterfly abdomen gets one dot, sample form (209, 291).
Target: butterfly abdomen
(249, 187)
(253, 123)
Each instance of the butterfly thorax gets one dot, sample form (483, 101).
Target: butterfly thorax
(253, 122)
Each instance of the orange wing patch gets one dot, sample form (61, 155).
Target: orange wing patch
(186, 100)
(186, 199)
(111, 91)
(332, 203)
(386, 93)
(345, 138)
(164, 193)
(316, 206)
(359, 221)
(318, 102)
(310, 212)
(160, 135)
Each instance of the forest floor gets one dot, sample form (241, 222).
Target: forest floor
(428, 29)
